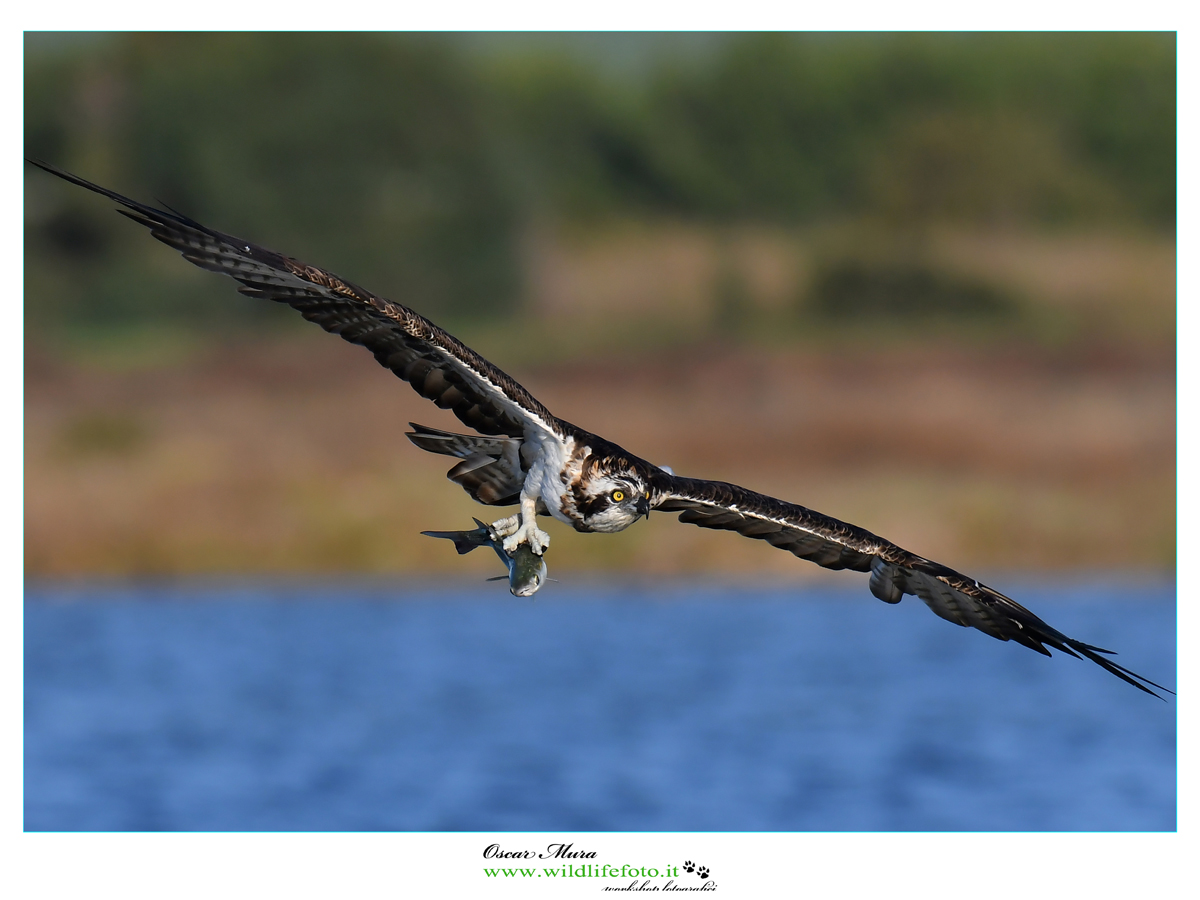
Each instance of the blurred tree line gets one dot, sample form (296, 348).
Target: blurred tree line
(416, 164)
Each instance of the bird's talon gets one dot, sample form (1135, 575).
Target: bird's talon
(537, 539)
(502, 528)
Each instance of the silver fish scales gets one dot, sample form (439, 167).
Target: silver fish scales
(526, 569)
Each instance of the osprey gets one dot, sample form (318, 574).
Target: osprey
(524, 455)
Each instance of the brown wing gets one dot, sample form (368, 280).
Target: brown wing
(894, 570)
(434, 362)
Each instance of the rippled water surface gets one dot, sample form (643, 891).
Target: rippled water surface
(604, 708)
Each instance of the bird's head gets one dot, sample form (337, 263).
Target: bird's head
(613, 498)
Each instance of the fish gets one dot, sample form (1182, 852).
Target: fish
(526, 570)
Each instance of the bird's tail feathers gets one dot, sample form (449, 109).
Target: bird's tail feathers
(490, 470)
(460, 445)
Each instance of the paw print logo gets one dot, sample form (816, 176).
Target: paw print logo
(702, 872)
(689, 866)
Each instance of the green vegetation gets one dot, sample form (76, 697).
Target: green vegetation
(420, 164)
(102, 434)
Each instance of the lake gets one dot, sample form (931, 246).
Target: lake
(594, 707)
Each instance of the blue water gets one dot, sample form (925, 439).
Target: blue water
(601, 708)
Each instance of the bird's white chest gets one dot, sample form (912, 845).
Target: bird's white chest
(545, 476)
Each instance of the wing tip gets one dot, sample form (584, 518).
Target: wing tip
(1087, 651)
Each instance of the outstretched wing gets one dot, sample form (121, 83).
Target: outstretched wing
(435, 363)
(894, 570)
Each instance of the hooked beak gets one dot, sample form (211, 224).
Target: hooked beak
(643, 506)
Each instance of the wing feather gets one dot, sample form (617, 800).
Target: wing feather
(436, 364)
(894, 571)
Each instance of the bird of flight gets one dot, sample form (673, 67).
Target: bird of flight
(526, 456)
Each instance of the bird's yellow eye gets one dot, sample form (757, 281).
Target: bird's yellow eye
(618, 496)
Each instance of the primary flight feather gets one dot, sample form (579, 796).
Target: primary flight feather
(529, 457)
